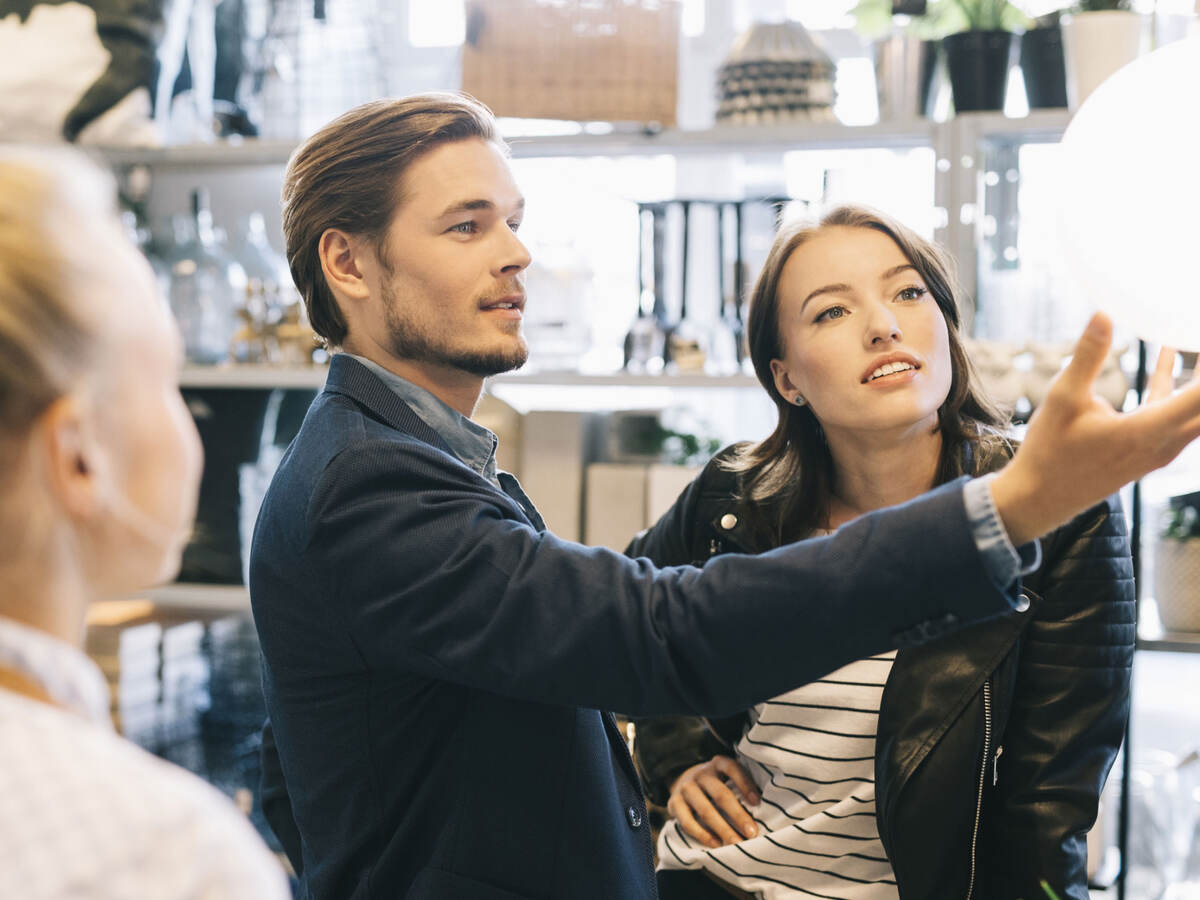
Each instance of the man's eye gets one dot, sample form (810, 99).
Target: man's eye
(464, 228)
(515, 225)
(834, 312)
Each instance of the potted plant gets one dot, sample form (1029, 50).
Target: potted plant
(1042, 63)
(978, 55)
(1099, 37)
(905, 48)
(1177, 565)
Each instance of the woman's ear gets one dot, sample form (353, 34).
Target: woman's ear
(783, 383)
(342, 264)
(68, 457)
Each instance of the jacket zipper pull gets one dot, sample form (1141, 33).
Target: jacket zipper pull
(713, 547)
(996, 765)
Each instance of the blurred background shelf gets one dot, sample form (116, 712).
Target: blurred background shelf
(1039, 125)
(231, 598)
(313, 378)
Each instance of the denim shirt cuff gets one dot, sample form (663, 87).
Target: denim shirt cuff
(1003, 562)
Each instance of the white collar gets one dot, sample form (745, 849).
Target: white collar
(63, 671)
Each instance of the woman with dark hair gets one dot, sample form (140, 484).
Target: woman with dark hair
(970, 766)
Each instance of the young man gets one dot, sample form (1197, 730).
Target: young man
(436, 662)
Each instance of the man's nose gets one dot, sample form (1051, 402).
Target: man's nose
(514, 256)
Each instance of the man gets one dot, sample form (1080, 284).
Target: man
(435, 662)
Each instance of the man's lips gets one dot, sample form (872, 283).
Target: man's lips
(509, 303)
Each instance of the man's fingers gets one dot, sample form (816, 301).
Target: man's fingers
(728, 804)
(1088, 359)
(734, 771)
(1162, 381)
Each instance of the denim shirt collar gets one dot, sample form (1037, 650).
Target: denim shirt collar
(474, 445)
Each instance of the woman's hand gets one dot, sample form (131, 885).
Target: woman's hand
(705, 806)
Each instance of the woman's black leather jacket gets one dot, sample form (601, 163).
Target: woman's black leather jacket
(994, 741)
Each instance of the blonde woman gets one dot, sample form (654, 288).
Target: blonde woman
(99, 469)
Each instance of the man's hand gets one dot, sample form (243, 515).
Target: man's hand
(707, 809)
(1078, 450)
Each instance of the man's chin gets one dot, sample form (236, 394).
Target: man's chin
(495, 362)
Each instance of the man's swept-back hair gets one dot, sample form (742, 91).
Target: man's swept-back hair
(348, 176)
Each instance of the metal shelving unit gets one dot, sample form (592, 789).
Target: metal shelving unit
(671, 141)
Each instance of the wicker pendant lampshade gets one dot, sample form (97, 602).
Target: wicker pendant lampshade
(775, 73)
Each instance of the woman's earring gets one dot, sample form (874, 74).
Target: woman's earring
(798, 400)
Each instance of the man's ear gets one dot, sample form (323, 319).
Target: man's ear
(69, 457)
(342, 262)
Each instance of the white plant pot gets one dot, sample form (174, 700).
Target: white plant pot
(1096, 44)
(1177, 583)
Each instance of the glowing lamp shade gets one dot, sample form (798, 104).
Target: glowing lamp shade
(1130, 197)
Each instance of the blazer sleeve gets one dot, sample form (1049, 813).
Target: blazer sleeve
(432, 572)
(665, 746)
(1070, 705)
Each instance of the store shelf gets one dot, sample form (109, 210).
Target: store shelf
(251, 152)
(254, 377)
(1040, 126)
(1046, 125)
(313, 378)
(1169, 641)
(231, 598)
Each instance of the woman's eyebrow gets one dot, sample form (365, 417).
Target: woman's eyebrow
(896, 270)
(828, 289)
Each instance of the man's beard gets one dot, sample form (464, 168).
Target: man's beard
(410, 339)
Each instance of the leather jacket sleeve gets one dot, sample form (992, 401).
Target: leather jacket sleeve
(1070, 705)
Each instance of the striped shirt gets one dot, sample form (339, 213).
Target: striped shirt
(811, 753)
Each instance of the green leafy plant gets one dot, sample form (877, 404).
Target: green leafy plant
(1102, 5)
(1182, 522)
(873, 18)
(990, 15)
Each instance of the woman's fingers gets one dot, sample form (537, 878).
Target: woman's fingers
(734, 771)
(705, 806)
(728, 805)
(699, 818)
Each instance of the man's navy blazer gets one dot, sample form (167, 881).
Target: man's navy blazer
(435, 667)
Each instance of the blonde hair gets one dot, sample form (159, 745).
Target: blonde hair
(54, 207)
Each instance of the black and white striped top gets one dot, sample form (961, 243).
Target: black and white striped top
(811, 752)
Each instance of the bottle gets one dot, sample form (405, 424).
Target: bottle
(645, 342)
(268, 280)
(207, 285)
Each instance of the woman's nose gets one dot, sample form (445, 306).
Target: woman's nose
(882, 327)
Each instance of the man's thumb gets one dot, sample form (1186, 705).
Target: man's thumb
(1090, 354)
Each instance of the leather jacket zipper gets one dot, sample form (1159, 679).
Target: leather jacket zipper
(983, 767)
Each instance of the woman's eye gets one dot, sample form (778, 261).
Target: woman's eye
(464, 228)
(515, 226)
(834, 312)
(913, 293)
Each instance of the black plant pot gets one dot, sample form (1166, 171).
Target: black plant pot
(1043, 68)
(978, 65)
